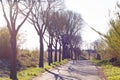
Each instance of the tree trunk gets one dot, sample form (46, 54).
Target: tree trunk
(49, 57)
(60, 54)
(63, 53)
(55, 57)
(13, 71)
(67, 53)
(71, 52)
(41, 57)
(50, 54)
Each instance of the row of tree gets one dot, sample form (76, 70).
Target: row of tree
(47, 16)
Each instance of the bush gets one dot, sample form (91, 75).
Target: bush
(113, 59)
(116, 63)
(5, 47)
(28, 58)
(101, 62)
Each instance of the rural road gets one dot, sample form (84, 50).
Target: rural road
(80, 70)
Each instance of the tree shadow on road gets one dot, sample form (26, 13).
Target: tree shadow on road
(62, 77)
(73, 70)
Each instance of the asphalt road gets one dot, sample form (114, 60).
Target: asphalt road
(77, 70)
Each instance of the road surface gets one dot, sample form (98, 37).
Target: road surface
(77, 70)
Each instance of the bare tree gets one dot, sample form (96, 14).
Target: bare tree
(55, 29)
(59, 23)
(73, 26)
(11, 18)
(76, 43)
(62, 27)
(39, 18)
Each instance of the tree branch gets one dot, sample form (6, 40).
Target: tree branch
(24, 20)
(8, 24)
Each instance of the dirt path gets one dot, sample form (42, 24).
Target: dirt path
(80, 70)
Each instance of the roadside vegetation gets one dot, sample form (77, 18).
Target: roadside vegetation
(27, 60)
(31, 72)
(110, 71)
(108, 48)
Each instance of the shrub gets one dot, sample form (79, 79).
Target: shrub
(116, 63)
(28, 58)
(101, 62)
(5, 48)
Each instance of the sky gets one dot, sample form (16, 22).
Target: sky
(94, 12)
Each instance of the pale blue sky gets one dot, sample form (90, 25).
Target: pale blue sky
(94, 12)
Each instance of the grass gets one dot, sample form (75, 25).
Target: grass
(29, 73)
(111, 72)
(5, 79)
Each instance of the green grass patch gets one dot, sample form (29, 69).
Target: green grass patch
(111, 72)
(29, 73)
(46, 66)
(56, 63)
(114, 77)
(4, 78)
(64, 61)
